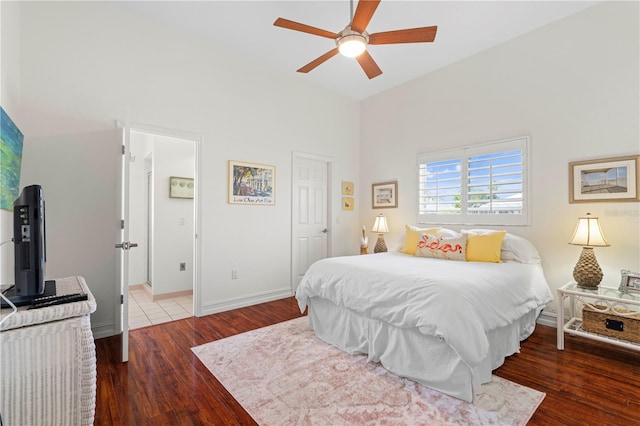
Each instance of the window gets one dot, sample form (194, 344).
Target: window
(482, 185)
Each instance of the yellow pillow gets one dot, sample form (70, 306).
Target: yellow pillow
(485, 247)
(411, 236)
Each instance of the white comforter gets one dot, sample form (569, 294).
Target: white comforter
(455, 301)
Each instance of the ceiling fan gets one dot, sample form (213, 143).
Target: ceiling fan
(353, 40)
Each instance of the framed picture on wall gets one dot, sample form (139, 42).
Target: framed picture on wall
(347, 203)
(384, 195)
(608, 179)
(347, 188)
(180, 187)
(252, 183)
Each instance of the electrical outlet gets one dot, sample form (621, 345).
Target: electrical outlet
(183, 266)
(234, 274)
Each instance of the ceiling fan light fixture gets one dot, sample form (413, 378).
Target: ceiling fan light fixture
(351, 43)
(351, 46)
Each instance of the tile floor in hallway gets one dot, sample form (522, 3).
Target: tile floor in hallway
(143, 311)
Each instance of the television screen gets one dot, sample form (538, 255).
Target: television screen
(29, 241)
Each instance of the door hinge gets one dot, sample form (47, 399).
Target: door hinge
(121, 223)
(122, 299)
(123, 150)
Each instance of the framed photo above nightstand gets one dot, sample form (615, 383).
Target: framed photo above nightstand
(608, 179)
(384, 195)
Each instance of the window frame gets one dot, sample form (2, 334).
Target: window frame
(464, 153)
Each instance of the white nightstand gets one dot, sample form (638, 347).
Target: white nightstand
(614, 302)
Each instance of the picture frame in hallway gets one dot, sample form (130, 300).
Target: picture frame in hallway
(251, 183)
(180, 187)
(608, 179)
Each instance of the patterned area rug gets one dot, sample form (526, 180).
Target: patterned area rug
(284, 375)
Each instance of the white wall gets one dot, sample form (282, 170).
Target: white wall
(173, 223)
(83, 63)
(572, 86)
(173, 217)
(10, 101)
(81, 209)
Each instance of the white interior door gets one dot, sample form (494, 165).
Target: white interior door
(310, 206)
(124, 245)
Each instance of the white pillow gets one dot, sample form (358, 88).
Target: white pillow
(514, 247)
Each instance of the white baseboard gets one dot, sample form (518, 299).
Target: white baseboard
(241, 302)
(103, 330)
(548, 318)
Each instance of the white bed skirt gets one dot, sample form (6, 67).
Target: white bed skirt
(408, 353)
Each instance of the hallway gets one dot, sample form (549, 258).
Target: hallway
(143, 311)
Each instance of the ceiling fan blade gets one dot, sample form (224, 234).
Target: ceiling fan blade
(368, 65)
(296, 26)
(311, 65)
(412, 35)
(363, 14)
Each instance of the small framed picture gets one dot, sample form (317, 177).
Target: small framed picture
(629, 280)
(347, 203)
(607, 179)
(347, 188)
(180, 187)
(384, 195)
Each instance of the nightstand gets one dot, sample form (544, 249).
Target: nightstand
(606, 300)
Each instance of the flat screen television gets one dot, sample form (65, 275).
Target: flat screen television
(30, 248)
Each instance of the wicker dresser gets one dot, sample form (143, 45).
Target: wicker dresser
(48, 362)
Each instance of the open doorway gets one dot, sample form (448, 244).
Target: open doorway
(162, 217)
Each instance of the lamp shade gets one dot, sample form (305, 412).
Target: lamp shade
(380, 225)
(588, 233)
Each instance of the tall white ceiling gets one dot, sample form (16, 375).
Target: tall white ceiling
(464, 29)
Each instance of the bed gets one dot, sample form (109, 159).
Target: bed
(444, 323)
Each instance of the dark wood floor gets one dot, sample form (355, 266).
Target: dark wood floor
(164, 383)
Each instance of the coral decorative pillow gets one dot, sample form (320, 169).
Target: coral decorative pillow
(485, 247)
(411, 236)
(452, 248)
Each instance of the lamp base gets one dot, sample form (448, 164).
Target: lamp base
(587, 272)
(380, 247)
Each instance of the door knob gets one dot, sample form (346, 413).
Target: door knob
(126, 245)
(325, 230)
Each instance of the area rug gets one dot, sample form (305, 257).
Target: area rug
(284, 375)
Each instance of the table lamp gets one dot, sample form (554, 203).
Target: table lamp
(588, 234)
(380, 226)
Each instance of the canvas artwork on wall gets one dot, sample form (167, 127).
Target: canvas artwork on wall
(11, 139)
(251, 183)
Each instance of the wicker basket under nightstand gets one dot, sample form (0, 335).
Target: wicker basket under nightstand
(605, 322)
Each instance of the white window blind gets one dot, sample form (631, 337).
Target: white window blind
(482, 184)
